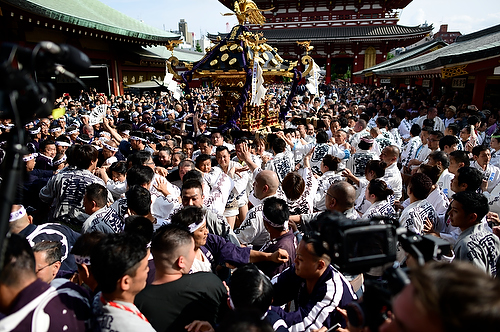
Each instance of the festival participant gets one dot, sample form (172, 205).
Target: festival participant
(30, 302)
(120, 267)
(432, 113)
(475, 244)
(198, 296)
(419, 210)
(65, 190)
(491, 174)
(48, 151)
(445, 297)
(357, 163)
(314, 284)
(102, 217)
(276, 214)
(411, 146)
(392, 177)
(329, 167)
(48, 256)
(212, 250)
(377, 193)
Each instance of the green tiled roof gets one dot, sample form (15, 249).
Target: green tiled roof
(94, 14)
(466, 48)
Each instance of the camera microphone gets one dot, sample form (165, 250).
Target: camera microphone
(65, 55)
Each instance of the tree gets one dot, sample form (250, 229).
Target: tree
(198, 48)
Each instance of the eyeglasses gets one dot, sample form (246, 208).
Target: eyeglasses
(46, 266)
(331, 195)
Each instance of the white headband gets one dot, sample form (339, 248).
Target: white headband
(59, 161)
(73, 132)
(61, 143)
(82, 260)
(55, 130)
(135, 138)
(36, 131)
(195, 226)
(30, 157)
(126, 132)
(16, 215)
(109, 147)
(272, 224)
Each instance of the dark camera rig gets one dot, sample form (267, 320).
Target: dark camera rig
(22, 99)
(356, 246)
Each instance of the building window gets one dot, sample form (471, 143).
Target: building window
(370, 57)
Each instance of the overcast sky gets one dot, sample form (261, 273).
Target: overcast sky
(204, 15)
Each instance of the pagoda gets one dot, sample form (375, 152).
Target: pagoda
(347, 35)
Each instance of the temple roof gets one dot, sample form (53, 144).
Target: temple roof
(411, 53)
(390, 4)
(473, 47)
(354, 33)
(93, 14)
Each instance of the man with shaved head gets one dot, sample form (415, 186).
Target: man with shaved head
(252, 230)
(392, 177)
(340, 197)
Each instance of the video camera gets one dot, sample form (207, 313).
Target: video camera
(358, 246)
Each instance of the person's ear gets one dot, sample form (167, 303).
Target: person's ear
(55, 268)
(125, 282)
(321, 264)
(474, 157)
(30, 219)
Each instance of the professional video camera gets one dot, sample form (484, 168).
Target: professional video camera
(357, 246)
(23, 98)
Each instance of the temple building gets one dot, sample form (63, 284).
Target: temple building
(348, 35)
(115, 43)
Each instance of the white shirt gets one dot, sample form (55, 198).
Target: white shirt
(393, 179)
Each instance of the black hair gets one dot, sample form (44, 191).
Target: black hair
(379, 188)
(470, 176)
(415, 130)
(433, 172)
(167, 239)
(440, 156)
(453, 127)
(476, 151)
(138, 158)
(97, 193)
(448, 140)
(421, 185)
(221, 148)
(140, 226)
(321, 137)
(115, 256)
(81, 155)
(188, 215)
(192, 181)
(140, 175)
(184, 162)
(382, 122)
(203, 157)
(437, 133)
(363, 145)
(377, 166)
(118, 167)
(204, 139)
(473, 120)
(250, 289)
(331, 162)
(427, 129)
(473, 202)
(279, 145)
(18, 261)
(293, 185)
(86, 242)
(461, 157)
(276, 210)
(139, 200)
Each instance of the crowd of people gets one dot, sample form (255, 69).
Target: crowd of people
(147, 218)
